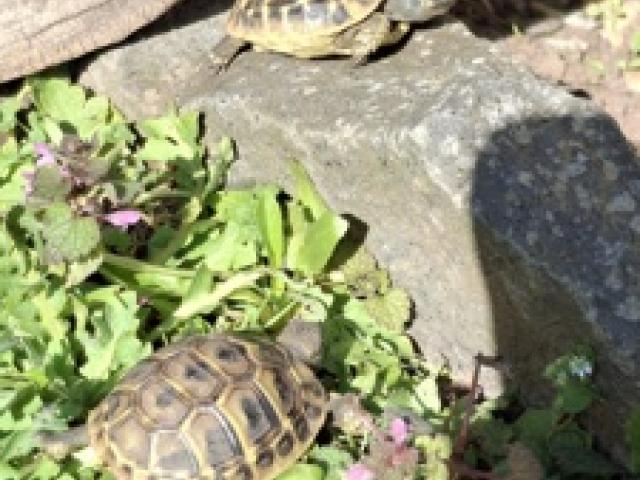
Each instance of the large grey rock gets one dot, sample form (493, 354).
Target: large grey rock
(505, 206)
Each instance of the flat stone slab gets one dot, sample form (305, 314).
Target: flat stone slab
(506, 207)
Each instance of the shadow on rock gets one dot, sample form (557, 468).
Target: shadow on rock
(557, 231)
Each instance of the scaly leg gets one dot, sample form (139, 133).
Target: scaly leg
(225, 52)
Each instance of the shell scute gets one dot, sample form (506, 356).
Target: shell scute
(195, 376)
(214, 438)
(161, 404)
(132, 441)
(173, 456)
(229, 356)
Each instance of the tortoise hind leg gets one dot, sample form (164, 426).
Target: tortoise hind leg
(361, 40)
(225, 52)
(61, 444)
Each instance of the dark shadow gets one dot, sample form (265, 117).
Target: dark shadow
(557, 231)
(496, 18)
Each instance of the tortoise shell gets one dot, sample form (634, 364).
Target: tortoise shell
(300, 27)
(209, 407)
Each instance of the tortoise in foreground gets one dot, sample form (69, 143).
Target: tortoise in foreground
(216, 407)
(319, 28)
(38, 34)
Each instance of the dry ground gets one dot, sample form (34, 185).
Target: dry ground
(586, 47)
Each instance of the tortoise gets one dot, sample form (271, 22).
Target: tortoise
(215, 407)
(320, 28)
(35, 35)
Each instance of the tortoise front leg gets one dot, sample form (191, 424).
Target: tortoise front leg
(225, 52)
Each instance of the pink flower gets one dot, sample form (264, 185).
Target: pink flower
(45, 154)
(122, 218)
(359, 472)
(399, 431)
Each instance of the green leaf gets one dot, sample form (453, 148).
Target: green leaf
(302, 471)
(436, 450)
(57, 98)
(8, 110)
(49, 185)
(8, 156)
(633, 438)
(12, 191)
(534, 427)
(334, 461)
(270, 223)
(391, 310)
(170, 137)
(305, 191)
(574, 397)
(318, 244)
(68, 237)
(67, 104)
(583, 461)
(635, 43)
(114, 345)
(206, 302)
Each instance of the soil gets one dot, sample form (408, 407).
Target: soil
(566, 42)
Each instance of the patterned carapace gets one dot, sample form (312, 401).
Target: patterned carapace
(210, 407)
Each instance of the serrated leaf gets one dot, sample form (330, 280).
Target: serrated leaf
(114, 344)
(57, 98)
(68, 237)
(67, 104)
(170, 137)
(391, 310)
(49, 185)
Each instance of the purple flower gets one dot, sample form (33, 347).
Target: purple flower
(359, 472)
(399, 431)
(123, 218)
(45, 154)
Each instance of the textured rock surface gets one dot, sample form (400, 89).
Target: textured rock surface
(35, 34)
(505, 206)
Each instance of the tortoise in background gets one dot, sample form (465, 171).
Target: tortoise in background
(36, 34)
(319, 28)
(215, 407)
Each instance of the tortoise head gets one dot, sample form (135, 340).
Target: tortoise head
(416, 10)
(303, 340)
